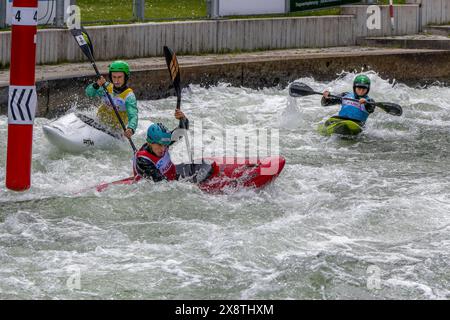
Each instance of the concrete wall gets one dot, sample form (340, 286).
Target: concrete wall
(412, 67)
(433, 11)
(281, 33)
(406, 20)
(148, 39)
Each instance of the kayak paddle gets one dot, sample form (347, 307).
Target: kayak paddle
(175, 77)
(391, 108)
(85, 44)
(298, 89)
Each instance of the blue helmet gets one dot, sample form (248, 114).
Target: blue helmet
(158, 133)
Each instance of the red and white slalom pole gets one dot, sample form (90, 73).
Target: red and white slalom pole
(22, 94)
(391, 13)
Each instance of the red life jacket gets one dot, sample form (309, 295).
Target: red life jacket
(164, 164)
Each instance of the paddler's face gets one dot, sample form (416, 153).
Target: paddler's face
(118, 79)
(158, 149)
(361, 91)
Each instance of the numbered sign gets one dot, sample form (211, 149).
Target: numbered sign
(24, 16)
(46, 11)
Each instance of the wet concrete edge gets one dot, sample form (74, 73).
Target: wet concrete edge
(56, 96)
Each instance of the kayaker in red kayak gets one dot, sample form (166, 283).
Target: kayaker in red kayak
(354, 105)
(211, 174)
(153, 160)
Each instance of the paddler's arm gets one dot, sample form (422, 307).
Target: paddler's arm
(185, 125)
(370, 108)
(179, 115)
(95, 89)
(132, 112)
(329, 101)
(147, 169)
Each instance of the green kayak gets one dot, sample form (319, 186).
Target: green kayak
(336, 125)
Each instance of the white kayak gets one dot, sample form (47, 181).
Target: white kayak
(76, 133)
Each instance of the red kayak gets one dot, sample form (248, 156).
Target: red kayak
(218, 174)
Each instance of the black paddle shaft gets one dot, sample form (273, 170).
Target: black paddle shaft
(174, 71)
(175, 77)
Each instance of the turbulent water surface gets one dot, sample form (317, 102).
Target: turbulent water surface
(364, 218)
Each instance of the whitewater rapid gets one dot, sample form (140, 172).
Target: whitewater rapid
(363, 218)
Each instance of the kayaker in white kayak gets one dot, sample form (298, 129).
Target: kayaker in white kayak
(122, 95)
(353, 105)
(153, 161)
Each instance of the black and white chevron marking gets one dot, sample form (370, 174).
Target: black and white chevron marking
(22, 104)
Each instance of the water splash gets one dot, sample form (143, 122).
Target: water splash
(339, 208)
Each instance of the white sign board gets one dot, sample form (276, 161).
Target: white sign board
(46, 11)
(250, 7)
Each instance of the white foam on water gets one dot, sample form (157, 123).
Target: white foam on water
(339, 206)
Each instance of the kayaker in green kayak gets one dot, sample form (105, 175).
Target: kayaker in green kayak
(122, 95)
(354, 108)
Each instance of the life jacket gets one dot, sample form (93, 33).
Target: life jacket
(106, 113)
(164, 164)
(352, 109)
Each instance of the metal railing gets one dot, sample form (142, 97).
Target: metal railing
(140, 14)
(2, 14)
(55, 12)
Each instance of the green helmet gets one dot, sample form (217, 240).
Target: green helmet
(361, 81)
(120, 66)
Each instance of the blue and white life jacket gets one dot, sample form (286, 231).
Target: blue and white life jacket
(352, 109)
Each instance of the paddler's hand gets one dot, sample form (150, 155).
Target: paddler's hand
(128, 133)
(179, 114)
(362, 101)
(101, 81)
